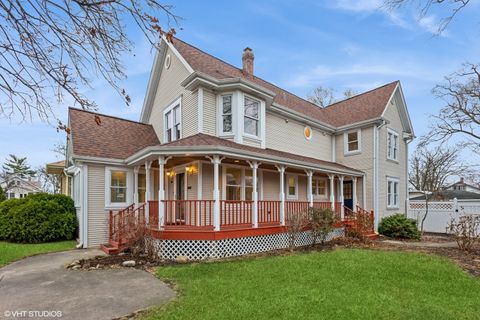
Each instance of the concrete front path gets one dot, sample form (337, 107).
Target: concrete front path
(41, 283)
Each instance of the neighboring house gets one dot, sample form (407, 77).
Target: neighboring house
(221, 155)
(447, 195)
(17, 188)
(58, 168)
(463, 186)
(415, 193)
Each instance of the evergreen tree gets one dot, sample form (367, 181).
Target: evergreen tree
(3, 197)
(18, 166)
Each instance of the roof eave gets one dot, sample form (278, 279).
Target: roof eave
(154, 151)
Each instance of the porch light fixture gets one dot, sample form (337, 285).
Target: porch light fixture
(236, 161)
(190, 170)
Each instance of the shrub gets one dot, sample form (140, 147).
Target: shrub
(322, 222)
(38, 218)
(466, 230)
(399, 226)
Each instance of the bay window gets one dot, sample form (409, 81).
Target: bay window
(251, 116)
(227, 113)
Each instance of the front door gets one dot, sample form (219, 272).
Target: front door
(180, 195)
(348, 195)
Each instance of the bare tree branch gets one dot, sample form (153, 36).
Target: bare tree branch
(49, 49)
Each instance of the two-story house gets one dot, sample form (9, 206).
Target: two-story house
(222, 157)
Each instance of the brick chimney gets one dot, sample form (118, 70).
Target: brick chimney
(247, 59)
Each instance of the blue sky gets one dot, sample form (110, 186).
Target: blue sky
(298, 45)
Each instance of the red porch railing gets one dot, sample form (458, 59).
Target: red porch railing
(193, 213)
(269, 211)
(295, 207)
(235, 212)
(120, 224)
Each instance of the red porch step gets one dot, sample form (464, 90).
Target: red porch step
(108, 248)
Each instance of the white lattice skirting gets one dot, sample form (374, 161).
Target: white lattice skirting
(215, 249)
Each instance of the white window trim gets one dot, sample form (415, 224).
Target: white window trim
(129, 191)
(393, 133)
(320, 196)
(397, 181)
(170, 107)
(220, 114)
(287, 193)
(345, 142)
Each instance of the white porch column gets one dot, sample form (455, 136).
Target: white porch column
(331, 177)
(281, 171)
(162, 161)
(309, 191)
(342, 207)
(254, 165)
(216, 160)
(148, 165)
(135, 184)
(354, 193)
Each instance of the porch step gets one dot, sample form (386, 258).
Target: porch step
(372, 236)
(109, 248)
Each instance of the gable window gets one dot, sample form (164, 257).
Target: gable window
(392, 193)
(352, 142)
(292, 186)
(392, 145)
(251, 116)
(173, 122)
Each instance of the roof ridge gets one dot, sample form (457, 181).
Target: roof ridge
(360, 94)
(230, 64)
(108, 116)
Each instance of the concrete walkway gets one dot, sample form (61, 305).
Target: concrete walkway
(424, 244)
(41, 283)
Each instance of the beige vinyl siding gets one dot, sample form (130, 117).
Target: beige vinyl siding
(207, 181)
(97, 215)
(389, 168)
(169, 89)
(209, 112)
(271, 185)
(289, 137)
(252, 142)
(362, 161)
(302, 188)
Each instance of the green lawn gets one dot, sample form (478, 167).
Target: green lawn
(340, 284)
(10, 252)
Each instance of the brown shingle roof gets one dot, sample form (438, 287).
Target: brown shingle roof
(112, 138)
(202, 139)
(361, 107)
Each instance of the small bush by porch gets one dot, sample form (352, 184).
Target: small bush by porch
(339, 284)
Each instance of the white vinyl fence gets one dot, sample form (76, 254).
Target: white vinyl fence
(440, 213)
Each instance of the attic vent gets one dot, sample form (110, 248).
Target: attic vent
(168, 61)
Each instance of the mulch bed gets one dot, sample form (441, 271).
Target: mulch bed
(469, 262)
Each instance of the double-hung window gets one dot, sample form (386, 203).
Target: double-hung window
(292, 187)
(173, 122)
(251, 116)
(319, 187)
(392, 145)
(239, 183)
(352, 142)
(227, 113)
(392, 193)
(118, 187)
(142, 187)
